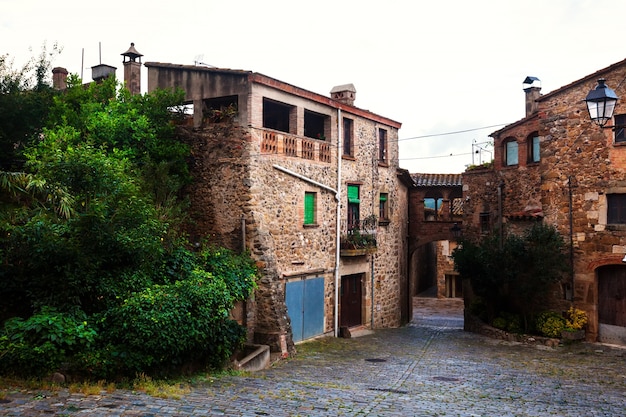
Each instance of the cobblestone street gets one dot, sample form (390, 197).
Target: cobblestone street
(430, 368)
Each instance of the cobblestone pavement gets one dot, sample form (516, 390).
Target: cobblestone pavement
(429, 368)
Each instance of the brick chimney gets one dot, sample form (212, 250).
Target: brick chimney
(345, 94)
(132, 69)
(59, 78)
(532, 88)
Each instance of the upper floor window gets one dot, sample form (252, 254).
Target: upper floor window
(348, 134)
(383, 207)
(616, 208)
(382, 146)
(353, 207)
(310, 205)
(620, 128)
(534, 151)
(511, 152)
(433, 204)
(315, 124)
(276, 115)
(485, 222)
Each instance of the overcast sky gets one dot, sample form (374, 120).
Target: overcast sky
(436, 66)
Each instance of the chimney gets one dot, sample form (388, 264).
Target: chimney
(532, 88)
(59, 78)
(345, 94)
(132, 69)
(102, 71)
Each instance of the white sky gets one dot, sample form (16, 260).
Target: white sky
(436, 66)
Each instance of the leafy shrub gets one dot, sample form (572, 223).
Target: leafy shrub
(550, 324)
(499, 323)
(44, 342)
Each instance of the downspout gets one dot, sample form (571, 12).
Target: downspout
(338, 218)
(571, 237)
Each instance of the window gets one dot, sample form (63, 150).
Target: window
(276, 115)
(382, 146)
(433, 202)
(510, 152)
(353, 207)
(534, 154)
(383, 212)
(315, 125)
(348, 142)
(310, 206)
(620, 127)
(485, 223)
(616, 210)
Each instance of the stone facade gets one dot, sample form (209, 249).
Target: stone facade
(252, 172)
(580, 166)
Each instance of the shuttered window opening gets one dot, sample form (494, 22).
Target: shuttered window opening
(309, 208)
(353, 194)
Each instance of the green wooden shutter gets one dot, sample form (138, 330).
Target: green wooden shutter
(353, 194)
(309, 208)
(383, 197)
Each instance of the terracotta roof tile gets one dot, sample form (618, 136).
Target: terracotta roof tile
(437, 180)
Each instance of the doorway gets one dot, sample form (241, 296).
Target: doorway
(612, 304)
(351, 300)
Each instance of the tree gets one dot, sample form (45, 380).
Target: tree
(95, 272)
(513, 274)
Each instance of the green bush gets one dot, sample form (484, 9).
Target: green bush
(550, 324)
(46, 341)
(499, 323)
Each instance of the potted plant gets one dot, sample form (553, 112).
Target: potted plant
(575, 322)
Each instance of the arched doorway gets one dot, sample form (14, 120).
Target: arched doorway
(612, 304)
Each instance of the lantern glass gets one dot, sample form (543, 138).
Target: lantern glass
(601, 103)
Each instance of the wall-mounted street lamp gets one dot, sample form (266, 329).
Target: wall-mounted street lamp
(601, 103)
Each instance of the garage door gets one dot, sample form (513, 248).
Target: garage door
(305, 306)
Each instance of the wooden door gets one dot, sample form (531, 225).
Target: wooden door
(612, 304)
(351, 293)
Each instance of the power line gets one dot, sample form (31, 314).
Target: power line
(453, 133)
(434, 157)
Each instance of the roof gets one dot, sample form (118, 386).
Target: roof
(437, 180)
(258, 78)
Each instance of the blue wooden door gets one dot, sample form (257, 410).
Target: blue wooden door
(305, 306)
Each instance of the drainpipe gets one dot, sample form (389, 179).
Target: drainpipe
(571, 237)
(338, 218)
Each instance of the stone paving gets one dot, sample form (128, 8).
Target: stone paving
(429, 368)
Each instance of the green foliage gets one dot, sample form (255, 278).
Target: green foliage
(90, 232)
(44, 341)
(550, 324)
(513, 273)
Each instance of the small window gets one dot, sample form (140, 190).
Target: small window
(616, 208)
(510, 152)
(382, 146)
(383, 213)
(348, 142)
(485, 223)
(534, 151)
(432, 208)
(310, 204)
(620, 128)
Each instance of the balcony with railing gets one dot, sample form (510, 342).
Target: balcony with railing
(358, 237)
(286, 144)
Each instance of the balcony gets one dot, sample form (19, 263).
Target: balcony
(359, 238)
(294, 146)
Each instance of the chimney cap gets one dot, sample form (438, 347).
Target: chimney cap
(344, 87)
(531, 82)
(132, 53)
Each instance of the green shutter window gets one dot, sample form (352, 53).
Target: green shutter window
(309, 208)
(383, 197)
(353, 194)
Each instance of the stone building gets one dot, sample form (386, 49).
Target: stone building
(556, 166)
(310, 185)
(435, 212)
